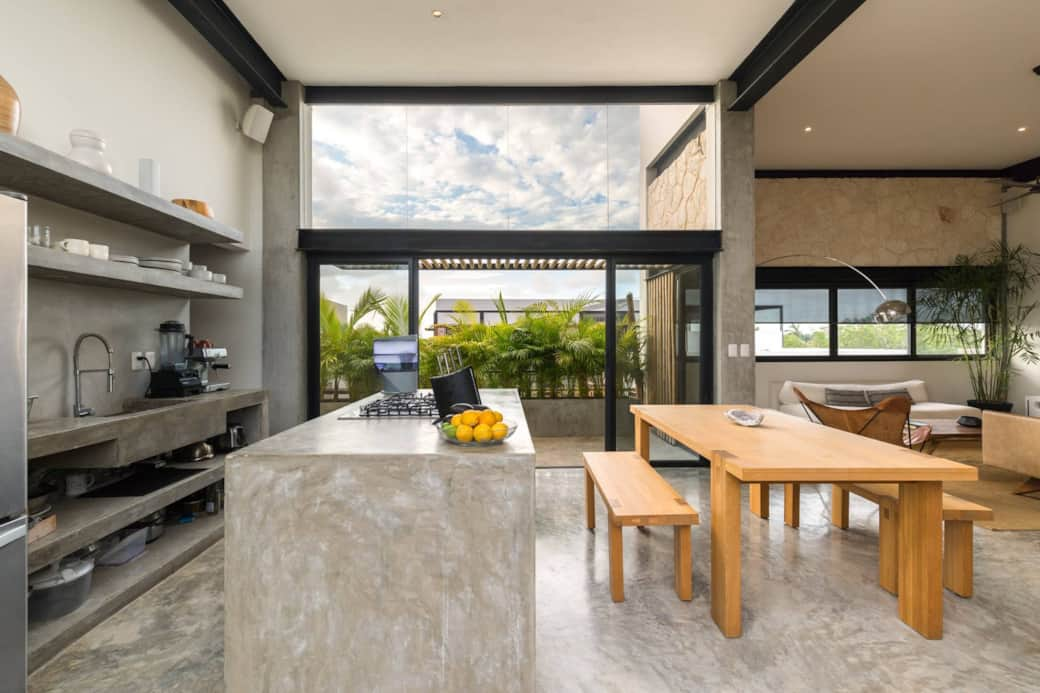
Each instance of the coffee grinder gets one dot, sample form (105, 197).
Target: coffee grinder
(174, 378)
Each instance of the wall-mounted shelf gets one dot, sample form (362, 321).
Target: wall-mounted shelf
(36, 171)
(49, 263)
(85, 520)
(115, 587)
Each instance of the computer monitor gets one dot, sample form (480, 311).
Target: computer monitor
(397, 362)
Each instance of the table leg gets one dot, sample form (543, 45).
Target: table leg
(725, 547)
(617, 562)
(760, 500)
(792, 504)
(683, 568)
(642, 438)
(920, 557)
(590, 501)
(839, 507)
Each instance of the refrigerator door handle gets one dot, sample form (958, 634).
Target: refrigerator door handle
(12, 531)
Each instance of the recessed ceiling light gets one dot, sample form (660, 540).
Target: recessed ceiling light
(1022, 128)
(437, 14)
(808, 128)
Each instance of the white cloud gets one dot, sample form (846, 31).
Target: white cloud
(499, 167)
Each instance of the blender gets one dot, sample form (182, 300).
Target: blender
(174, 378)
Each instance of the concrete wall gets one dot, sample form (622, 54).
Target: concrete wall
(138, 73)
(1024, 227)
(734, 136)
(284, 268)
(875, 221)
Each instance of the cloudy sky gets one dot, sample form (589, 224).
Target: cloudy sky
(475, 167)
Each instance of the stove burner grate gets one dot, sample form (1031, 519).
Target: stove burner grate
(401, 404)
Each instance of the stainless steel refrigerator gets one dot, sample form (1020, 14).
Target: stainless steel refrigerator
(12, 442)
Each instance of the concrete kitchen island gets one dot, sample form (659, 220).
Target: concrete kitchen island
(372, 555)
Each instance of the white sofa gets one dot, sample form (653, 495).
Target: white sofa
(921, 407)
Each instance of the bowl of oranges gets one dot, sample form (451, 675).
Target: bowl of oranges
(472, 426)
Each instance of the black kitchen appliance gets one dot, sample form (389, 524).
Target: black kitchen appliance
(174, 378)
(455, 388)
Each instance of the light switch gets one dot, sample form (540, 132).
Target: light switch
(745, 350)
(733, 351)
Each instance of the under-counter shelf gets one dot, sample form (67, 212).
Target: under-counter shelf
(113, 588)
(48, 263)
(85, 520)
(34, 170)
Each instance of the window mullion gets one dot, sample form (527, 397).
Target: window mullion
(832, 312)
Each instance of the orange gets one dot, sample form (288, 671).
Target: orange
(498, 416)
(456, 420)
(470, 418)
(482, 433)
(464, 433)
(499, 431)
(487, 417)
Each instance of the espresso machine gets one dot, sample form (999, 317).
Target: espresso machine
(206, 359)
(175, 377)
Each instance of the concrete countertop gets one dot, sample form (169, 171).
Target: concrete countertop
(52, 436)
(329, 435)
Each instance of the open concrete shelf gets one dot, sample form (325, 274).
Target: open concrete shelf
(36, 171)
(85, 520)
(48, 263)
(113, 588)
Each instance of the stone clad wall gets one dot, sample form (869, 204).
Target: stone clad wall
(875, 221)
(677, 198)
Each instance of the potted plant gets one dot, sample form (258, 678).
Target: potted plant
(982, 304)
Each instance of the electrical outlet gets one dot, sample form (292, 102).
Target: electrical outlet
(732, 351)
(136, 364)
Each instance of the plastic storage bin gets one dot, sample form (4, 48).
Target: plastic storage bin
(126, 547)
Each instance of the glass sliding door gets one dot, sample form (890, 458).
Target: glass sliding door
(356, 303)
(663, 346)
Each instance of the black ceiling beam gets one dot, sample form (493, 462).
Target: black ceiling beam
(495, 95)
(466, 243)
(219, 25)
(804, 25)
(880, 173)
(1024, 171)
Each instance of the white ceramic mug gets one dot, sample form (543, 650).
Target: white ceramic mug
(78, 484)
(98, 251)
(76, 246)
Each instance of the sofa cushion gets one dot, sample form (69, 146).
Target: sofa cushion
(817, 391)
(875, 396)
(835, 397)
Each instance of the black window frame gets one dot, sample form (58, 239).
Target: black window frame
(833, 279)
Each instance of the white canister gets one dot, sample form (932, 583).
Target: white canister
(88, 148)
(98, 251)
(76, 246)
(148, 175)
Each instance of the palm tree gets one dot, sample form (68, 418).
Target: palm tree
(395, 314)
(345, 346)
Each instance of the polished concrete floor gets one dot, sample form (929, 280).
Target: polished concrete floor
(814, 617)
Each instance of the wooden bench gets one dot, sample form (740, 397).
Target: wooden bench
(959, 516)
(636, 495)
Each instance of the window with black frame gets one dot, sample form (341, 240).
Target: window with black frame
(836, 323)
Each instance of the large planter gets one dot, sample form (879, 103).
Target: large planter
(988, 405)
(10, 108)
(555, 418)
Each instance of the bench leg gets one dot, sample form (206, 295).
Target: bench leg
(759, 496)
(617, 571)
(792, 504)
(839, 507)
(683, 569)
(958, 568)
(590, 501)
(888, 547)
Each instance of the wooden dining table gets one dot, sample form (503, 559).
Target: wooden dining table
(789, 449)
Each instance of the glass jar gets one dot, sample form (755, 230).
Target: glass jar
(88, 148)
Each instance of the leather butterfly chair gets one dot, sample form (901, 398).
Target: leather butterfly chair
(887, 421)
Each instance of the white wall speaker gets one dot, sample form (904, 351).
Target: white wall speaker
(256, 123)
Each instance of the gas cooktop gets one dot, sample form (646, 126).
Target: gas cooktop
(401, 404)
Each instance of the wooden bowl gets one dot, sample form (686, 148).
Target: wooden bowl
(197, 206)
